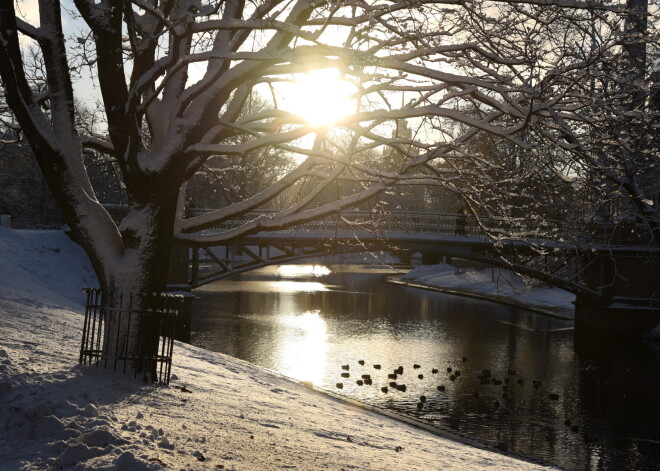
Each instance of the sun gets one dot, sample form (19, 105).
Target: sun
(321, 97)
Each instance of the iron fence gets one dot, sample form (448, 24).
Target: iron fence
(105, 341)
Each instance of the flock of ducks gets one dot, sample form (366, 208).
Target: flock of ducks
(511, 379)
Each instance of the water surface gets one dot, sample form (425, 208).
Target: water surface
(584, 403)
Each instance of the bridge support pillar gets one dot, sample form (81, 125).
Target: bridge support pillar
(404, 256)
(622, 318)
(629, 306)
(430, 258)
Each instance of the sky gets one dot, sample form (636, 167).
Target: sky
(321, 97)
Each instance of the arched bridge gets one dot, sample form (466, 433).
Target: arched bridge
(435, 236)
(613, 272)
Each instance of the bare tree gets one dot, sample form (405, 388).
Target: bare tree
(227, 179)
(465, 68)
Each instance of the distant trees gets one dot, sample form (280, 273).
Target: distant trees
(24, 194)
(175, 79)
(590, 149)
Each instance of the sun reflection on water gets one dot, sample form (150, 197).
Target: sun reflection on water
(279, 286)
(293, 286)
(303, 354)
(297, 271)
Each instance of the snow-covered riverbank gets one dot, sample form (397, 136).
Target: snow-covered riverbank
(218, 413)
(496, 285)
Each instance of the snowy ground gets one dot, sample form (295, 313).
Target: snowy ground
(218, 413)
(497, 285)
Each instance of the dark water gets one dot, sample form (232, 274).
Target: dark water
(307, 324)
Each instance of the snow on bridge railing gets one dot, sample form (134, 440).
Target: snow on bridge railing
(364, 222)
(368, 224)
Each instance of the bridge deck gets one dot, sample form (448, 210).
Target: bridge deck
(559, 260)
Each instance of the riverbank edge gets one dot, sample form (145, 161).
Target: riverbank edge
(439, 432)
(412, 421)
(418, 423)
(554, 312)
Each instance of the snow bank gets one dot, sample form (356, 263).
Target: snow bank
(219, 412)
(43, 266)
(495, 284)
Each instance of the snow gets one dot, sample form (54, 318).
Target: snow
(494, 284)
(218, 412)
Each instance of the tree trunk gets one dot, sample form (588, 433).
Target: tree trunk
(132, 286)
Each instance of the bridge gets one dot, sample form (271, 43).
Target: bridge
(435, 236)
(613, 274)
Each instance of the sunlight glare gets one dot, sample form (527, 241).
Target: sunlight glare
(299, 271)
(303, 354)
(321, 97)
(295, 286)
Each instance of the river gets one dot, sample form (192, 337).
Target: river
(507, 377)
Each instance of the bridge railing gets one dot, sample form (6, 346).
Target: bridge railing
(402, 222)
(365, 223)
